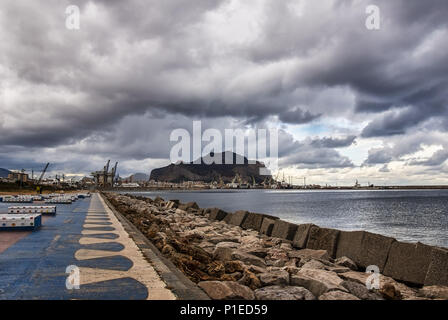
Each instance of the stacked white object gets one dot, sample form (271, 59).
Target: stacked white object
(20, 221)
(32, 209)
(18, 199)
(60, 200)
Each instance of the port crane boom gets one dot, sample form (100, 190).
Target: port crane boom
(43, 172)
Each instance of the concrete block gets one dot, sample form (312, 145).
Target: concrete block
(228, 217)
(323, 239)
(284, 230)
(301, 237)
(350, 245)
(364, 248)
(374, 250)
(408, 262)
(238, 217)
(266, 226)
(217, 214)
(437, 273)
(254, 221)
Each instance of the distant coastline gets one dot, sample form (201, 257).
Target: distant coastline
(442, 187)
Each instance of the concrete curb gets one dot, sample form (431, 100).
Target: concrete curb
(176, 281)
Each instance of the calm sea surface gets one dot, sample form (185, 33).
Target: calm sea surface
(407, 215)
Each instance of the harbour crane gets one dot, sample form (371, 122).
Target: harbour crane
(106, 170)
(43, 173)
(114, 173)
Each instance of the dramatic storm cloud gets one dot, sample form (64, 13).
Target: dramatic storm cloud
(350, 103)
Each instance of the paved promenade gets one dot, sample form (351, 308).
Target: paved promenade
(85, 234)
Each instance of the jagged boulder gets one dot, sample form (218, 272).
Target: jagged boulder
(309, 254)
(271, 278)
(223, 253)
(283, 293)
(337, 295)
(226, 290)
(317, 281)
(360, 291)
(434, 292)
(248, 259)
(346, 262)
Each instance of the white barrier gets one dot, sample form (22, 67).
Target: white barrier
(18, 199)
(59, 201)
(32, 209)
(20, 221)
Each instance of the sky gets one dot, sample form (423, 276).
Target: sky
(349, 103)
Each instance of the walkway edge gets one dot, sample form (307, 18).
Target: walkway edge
(176, 281)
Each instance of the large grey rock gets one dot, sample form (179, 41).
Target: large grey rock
(266, 226)
(346, 262)
(323, 239)
(283, 293)
(284, 230)
(309, 254)
(437, 273)
(248, 259)
(226, 290)
(360, 291)
(364, 248)
(314, 264)
(188, 206)
(301, 237)
(275, 277)
(228, 244)
(259, 252)
(337, 295)
(434, 292)
(408, 262)
(317, 281)
(237, 218)
(217, 214)
(223, 253)
(222, 238)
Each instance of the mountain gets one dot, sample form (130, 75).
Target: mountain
(4, 173)
(211, 172)
(140, 177)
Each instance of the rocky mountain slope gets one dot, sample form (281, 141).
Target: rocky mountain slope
(211, 172)
(4, 173)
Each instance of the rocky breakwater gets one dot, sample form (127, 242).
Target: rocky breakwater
(244, 255)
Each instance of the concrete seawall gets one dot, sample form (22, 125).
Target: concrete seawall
(413, 263)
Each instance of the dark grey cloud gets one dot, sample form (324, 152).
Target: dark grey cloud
(313, 153)
(437, 159)
(311, 158)
(379, 156)
(333, 142)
